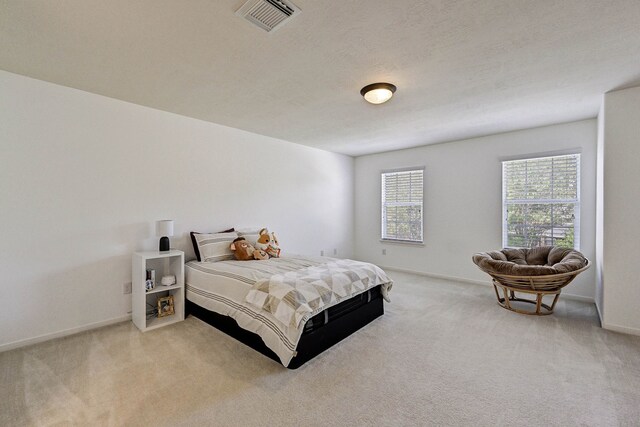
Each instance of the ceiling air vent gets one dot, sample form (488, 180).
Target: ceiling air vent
(268, 14)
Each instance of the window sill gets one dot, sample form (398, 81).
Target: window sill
(402, 242)
(524, 247)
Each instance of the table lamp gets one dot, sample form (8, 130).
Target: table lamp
(164, 228)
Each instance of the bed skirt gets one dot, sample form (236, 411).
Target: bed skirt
(320, 332)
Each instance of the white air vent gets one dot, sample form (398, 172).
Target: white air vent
(268, 14)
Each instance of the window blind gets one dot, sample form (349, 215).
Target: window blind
(541, 202)
(402, 203)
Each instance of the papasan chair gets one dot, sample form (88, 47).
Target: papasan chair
(538, 271)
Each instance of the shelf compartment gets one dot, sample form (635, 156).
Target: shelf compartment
(162, 288)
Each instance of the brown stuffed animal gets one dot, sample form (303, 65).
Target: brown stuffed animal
(263, 241)
(243, 251)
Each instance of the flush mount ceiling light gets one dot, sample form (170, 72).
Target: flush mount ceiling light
(378, 93)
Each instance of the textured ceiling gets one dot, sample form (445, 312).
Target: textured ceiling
(463, 68)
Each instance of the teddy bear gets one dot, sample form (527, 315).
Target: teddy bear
(243, 251)
(269, 243)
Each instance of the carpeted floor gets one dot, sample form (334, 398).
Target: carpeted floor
(443, 354)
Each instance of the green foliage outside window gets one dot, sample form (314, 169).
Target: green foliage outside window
(541, 201)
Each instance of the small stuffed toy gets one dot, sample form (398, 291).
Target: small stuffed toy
(269, 243)
(274, 249)
(259, 254)
(243, 251)
(263, 240)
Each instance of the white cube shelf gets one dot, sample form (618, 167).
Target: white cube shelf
(164, 263)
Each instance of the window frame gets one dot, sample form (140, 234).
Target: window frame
(383, 205)
(577, 201)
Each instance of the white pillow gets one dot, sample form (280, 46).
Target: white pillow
(213, 247)
(250, 234)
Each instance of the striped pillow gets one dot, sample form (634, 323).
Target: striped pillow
(213, 247)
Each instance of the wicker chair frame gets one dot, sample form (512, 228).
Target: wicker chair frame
(540, 286)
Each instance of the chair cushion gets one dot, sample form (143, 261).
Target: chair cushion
(538, 261)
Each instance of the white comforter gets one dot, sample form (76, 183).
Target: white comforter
(295, 296)
(223, 287)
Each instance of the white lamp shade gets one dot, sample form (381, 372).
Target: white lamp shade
(164, 228)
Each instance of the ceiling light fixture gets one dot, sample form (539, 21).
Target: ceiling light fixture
(378, 93)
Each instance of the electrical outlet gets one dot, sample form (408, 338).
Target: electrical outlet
(384, 252)
(126, 288)
(335, 251)
(321, 253)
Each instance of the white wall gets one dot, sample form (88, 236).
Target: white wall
(84, 177)
(600, 215)
(463, 200)
(620, 153)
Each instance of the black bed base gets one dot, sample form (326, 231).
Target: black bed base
(321, 331)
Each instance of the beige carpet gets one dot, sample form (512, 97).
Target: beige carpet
(443, 354)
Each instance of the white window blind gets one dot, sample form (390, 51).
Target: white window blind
(541, 202)
(402, 200)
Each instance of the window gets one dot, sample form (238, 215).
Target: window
(541, 202)
(402, 192)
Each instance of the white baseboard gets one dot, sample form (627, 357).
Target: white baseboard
(599, 314)
(579, 298)
(437, 276)
(622, 329)
(63, 333)
(477, 282)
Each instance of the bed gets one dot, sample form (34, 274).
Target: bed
(232, 296)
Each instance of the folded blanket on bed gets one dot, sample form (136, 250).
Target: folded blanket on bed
(295, 296)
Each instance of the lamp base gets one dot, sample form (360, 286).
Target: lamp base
(164, 244)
